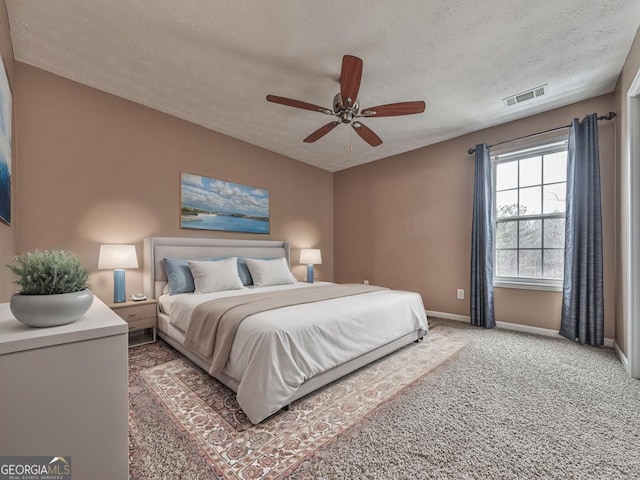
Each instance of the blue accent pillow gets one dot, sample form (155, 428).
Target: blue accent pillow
(243, 271)
(179, 276)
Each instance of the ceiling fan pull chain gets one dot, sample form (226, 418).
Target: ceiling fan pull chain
(351, 140)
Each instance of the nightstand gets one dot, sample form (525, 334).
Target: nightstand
(142, 319)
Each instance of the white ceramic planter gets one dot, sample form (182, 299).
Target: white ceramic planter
(50, 310)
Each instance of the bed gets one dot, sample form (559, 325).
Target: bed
(280, 355)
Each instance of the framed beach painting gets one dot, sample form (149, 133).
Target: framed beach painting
(212, 204)
(5, 147)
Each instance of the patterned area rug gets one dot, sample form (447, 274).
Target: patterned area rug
(185, 424)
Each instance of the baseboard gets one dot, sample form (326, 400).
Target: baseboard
(623, 358)
(449, 316)
(547, 332)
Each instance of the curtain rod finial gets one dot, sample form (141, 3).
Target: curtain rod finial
(471, 150)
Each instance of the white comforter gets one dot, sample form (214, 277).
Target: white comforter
(274, 352)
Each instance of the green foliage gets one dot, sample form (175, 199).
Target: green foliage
(49, 273)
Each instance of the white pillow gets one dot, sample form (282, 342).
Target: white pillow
(270, 272)
(215, 276)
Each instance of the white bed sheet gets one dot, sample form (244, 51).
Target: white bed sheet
(274, 352)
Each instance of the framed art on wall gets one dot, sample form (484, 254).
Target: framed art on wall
(5, 147)
(213, 204)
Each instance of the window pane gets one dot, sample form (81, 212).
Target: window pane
(554, 233)
(555, 198)
(531, 234)
(507, 263)
(530, 171)
(530, 201)
(506, 175)
(555, 167)
(507, 203)
(531, 263)
(507, 234)
(553, 264)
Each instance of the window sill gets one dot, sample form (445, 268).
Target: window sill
(546, 287)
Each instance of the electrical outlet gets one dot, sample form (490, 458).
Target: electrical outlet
(366, 282)
(460, 294)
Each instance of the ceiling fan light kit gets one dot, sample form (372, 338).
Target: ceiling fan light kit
(346, 106)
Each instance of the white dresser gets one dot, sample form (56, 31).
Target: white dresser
(63, 392)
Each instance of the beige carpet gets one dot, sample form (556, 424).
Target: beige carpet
(204, 434)
(510, 406)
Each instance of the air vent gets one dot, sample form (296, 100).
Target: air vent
(524, 96)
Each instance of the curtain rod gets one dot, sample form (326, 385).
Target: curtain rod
(608, 116)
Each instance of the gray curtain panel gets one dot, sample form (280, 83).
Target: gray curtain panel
(482, 242)
(582, 293)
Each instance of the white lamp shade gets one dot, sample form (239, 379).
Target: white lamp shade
(310, 256)
(117, 256)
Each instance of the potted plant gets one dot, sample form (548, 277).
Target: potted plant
(53, 288)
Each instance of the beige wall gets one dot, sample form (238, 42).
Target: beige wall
(631, 67)
(7, 233)
(95, 168)
(405, 221)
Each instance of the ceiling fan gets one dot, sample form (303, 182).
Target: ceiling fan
(346, 106)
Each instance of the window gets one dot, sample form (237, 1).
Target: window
(529, 213)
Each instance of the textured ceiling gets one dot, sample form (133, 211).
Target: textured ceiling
(213, 62)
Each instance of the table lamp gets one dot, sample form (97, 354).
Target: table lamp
(310, 256)
(118, 257)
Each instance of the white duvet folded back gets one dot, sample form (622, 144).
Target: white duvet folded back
(179, 307)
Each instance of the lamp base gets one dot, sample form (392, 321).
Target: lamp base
(310, 273)
(119, 289)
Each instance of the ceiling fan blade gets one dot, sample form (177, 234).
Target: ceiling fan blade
(350, 77)
(394, 109)
(367, 134)
(289, 102)
(321, 132)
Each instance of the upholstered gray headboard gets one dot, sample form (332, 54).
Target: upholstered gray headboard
(157, 248)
